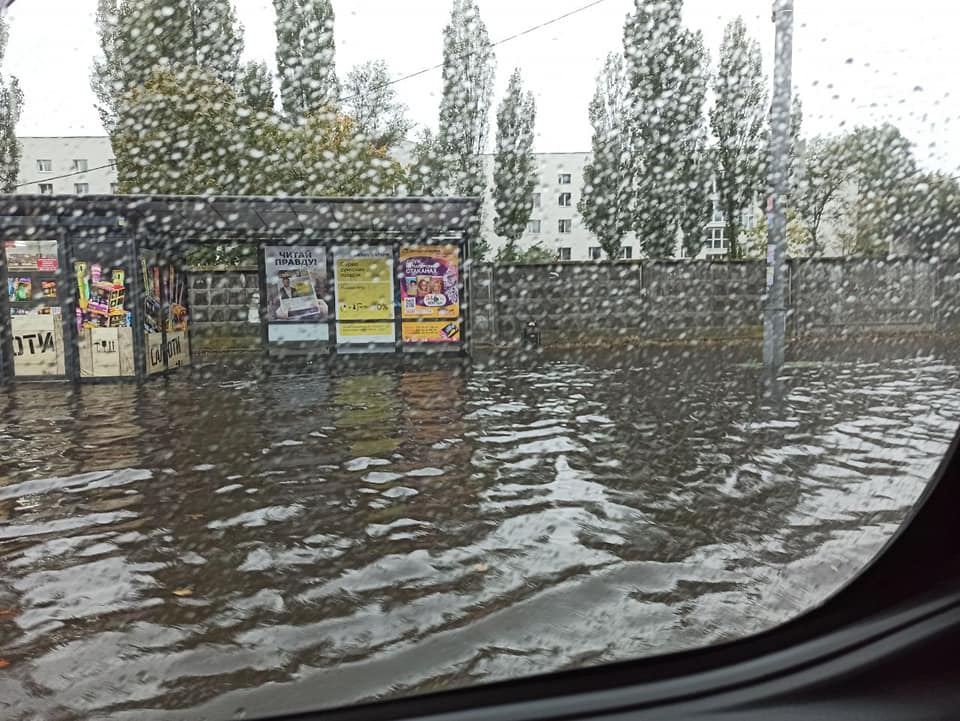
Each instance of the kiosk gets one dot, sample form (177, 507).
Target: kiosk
(97, 287)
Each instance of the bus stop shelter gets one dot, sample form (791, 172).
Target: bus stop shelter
(97, 288)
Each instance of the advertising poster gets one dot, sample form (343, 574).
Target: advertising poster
(430, 293)
(296, 284)
(363, 289)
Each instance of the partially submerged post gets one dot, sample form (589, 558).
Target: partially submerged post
(775, 310)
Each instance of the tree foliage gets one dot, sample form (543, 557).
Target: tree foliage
(468, 71)
(664, 65)
(371, 100)
(306, 57)
(511, 254)
(799, 241)
(255, 87)
(138, 36)
(927, 222)
(694, 162)
(739, 123)
(185, 132)
(881, 161)
(11, 104)
(822, 171)
(514, 167)
(605, 203)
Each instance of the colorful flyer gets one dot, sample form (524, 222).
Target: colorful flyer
(296, 283)
(430, 291)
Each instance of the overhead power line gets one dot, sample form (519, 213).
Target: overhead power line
(507, 39)
(402, 78)
(65, 175)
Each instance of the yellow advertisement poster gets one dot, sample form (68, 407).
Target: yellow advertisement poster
(430, 293)
(364, 286)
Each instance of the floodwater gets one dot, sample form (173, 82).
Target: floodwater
(203, 547)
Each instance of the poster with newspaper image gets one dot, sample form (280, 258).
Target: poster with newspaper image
(296, 284)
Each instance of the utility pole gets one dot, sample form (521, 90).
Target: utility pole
(775, 308)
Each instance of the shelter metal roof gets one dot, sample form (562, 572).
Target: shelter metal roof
(215, 218)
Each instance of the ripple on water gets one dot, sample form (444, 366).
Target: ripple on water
(446, 526)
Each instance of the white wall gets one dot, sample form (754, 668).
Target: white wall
(61, 152)
(580, 240)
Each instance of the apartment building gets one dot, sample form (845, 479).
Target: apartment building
(84, 165)
(75, 165)
(557, 225)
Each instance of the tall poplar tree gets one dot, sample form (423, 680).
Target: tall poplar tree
(306, 57)
(739, 122)
(514, 167)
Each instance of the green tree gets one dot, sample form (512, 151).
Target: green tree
(255, 87)
(105, 75)
(218, 38)
(175, 134)
(138, 36)
(882, 160)
(799, 243)
(514, 167)
(424, 171)
(694, 162)
(821, 173)
(11, 104)
(927, 222)
(372, 101)
(185, 132)
(605, 203)
(510, 254)
(738, 119)
(663, 123)
(325, 155)
(796, 142)
(468, 70)
(306, 57)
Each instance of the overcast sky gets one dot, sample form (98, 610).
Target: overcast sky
(855, 61)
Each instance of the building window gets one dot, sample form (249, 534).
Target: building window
(566, 200)
(46, 188)
(594, 252)
(113, 188)
(536, 200)
(626, 252)
(716, 238)
(113, 163)
(564, 179)
(44, 166)
(717, 213)
(533, 226)
(563, 253)
(565, 225)
(81, 188)
(79, 165)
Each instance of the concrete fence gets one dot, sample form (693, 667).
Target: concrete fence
(684, 300)
(590, 302)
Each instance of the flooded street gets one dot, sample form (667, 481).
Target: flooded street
(340, 536)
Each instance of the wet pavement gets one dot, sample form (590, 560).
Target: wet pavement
(212, 547)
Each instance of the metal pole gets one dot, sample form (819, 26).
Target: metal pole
(775, 311)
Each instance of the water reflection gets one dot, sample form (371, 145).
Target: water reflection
(330, 538)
